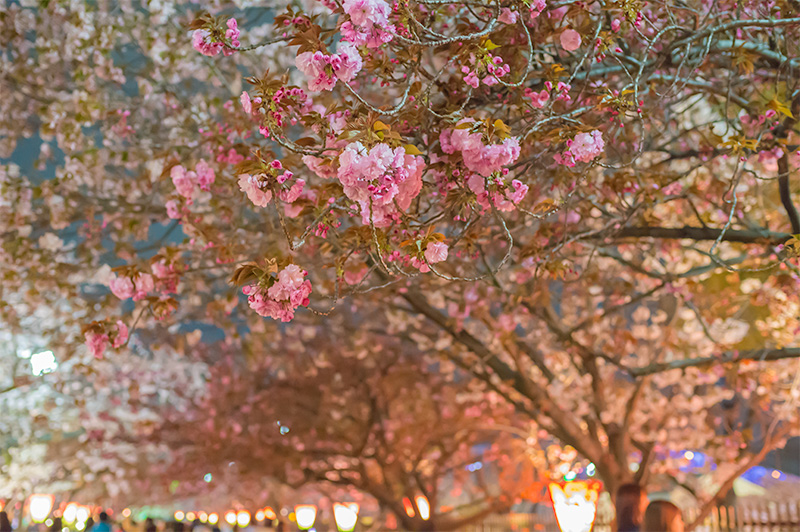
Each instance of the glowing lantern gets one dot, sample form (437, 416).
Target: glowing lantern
(230, 517)
(82, 515)
(190, 516)
(70, 513)
(40, 506)
(423, 506)
(270, 514)
(346, 516)
(213, 518)
(243, 518)
(260, 515)
(575, 504)
(203, 517)
(179, 515)
(305, 514)
(409, 508)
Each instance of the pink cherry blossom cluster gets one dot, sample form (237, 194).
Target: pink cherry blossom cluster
(289, 291)
(584, 147)
(232, 33)
(369, 23)
(323, 70)
(478, 157)
(490, 67)
(187, 181)
(203, 41)
(166, 276)
(136, 288)
(494, 191)
(259, 187)
(97, 342)
(380, 180)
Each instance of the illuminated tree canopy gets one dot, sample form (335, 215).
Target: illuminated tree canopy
(581, 212)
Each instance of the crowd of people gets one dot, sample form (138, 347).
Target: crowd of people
(106, 524)
(636, 513)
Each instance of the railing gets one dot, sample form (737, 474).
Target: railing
(746, 516)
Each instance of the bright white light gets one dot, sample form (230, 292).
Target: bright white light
(590, 469)
(306, 514)
(346, 516)
(44, 362)
(179, 515)
(80, 525)
(243, 518)
(82, 514)
(213, 518)
(259, 515)
(423, 506)
(70, 512)
(230, 517)
(688, 455)
(575, 505)
(40, 506)
(203, 517)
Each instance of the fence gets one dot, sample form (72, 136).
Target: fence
(760, 516)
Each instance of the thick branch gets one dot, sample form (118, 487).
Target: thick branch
(761, 355)
(704, 233)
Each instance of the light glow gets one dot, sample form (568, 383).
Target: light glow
(575, 504)
(305, 514)
(230, 517)
(688, 455)
(179, 515)
(269, 513)
(213, 518)
(40, 506)
(190, 516)
(203, 517)
(126, 512)
(70, 513)
(82, 515)
(243, 518)
(44, 362)
(346, 516)
(423, 506)
(409, 508)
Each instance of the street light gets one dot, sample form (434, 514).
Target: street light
(575, 504)
(40, 506)
(346, 516)
(423, 506)
(305, 514)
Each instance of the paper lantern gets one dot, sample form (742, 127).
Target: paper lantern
(39, 506)
(305, 514)
(575, 504)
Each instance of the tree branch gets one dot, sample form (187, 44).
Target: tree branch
(760, 355)
(704, 233)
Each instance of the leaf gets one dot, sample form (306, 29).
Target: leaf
(780, 107)
(306, 141)
(412, 150)
(380, 126)
(489, 45)
(544, 206)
